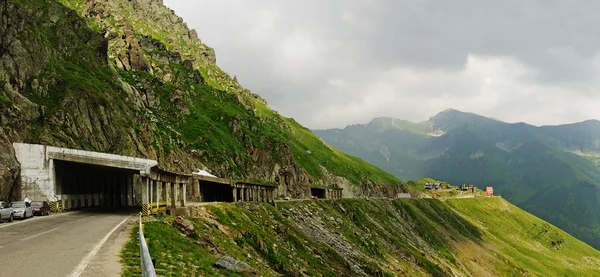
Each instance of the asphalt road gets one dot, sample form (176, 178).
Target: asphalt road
(59, 245)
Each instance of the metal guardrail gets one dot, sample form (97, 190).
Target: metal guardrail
(145, 259)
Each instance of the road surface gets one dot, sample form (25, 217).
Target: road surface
(71, 244)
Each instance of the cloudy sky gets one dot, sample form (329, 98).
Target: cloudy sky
(339, 62)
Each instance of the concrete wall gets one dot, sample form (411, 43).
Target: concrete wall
(37, 172)
(37, 166)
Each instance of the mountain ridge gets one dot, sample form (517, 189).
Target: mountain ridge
(527, 164)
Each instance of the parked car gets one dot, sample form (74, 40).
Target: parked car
(315, 197)
(287, 198)
(22, 209)
(40, 207)
(6, 212)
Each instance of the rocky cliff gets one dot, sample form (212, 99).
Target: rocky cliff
(130, 78)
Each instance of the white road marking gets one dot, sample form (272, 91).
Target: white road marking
(86, 260)
(40, 234)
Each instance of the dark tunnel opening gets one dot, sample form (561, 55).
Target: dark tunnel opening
(215, 192)
(317, 192)
(82, 186)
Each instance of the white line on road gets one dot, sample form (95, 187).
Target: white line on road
(84, 263)
(40, 234)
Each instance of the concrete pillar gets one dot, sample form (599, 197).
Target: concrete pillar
(151, 196)
(165, 192)
(173, 195)
(168, 193)
(145, 190)
(234, 192)
(183, 194)
(157, 198)
(199, 190)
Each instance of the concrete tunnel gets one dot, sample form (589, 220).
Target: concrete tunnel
(74, 179)
(87, 185)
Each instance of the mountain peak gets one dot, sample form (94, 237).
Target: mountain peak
(451, 118)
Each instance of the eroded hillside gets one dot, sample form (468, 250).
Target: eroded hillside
(376, 237)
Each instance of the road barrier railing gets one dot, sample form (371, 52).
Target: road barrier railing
(145, 259)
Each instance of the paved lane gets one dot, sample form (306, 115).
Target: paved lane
(56, 245)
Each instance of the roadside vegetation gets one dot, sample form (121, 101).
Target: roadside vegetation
(376, 237)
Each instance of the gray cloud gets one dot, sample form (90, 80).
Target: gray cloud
(333, 63)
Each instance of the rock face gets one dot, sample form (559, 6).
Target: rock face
(236, 266)
(185, 226)
(130, 78)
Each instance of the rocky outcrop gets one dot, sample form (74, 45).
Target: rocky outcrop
(234, 265)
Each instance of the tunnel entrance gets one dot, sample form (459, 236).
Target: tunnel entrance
(81, 185)
(215, 192)
(318, 192)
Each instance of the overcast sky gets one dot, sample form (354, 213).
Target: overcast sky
(338, 62)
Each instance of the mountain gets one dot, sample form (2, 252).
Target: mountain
(129, 77)
(359, 237)
(550, 171)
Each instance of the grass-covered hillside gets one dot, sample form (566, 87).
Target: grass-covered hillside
(550, 171)
(358, 237)
(129, 77)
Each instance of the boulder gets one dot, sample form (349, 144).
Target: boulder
(185, 226)
(234, 265)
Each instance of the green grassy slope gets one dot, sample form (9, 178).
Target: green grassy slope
(378, 237)
(533, 244)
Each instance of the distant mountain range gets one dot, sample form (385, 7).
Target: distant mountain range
(550, 171)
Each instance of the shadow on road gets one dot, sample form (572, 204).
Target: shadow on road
(109, 210)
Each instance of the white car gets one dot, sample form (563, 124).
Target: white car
(6, 212)
(22, 209)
